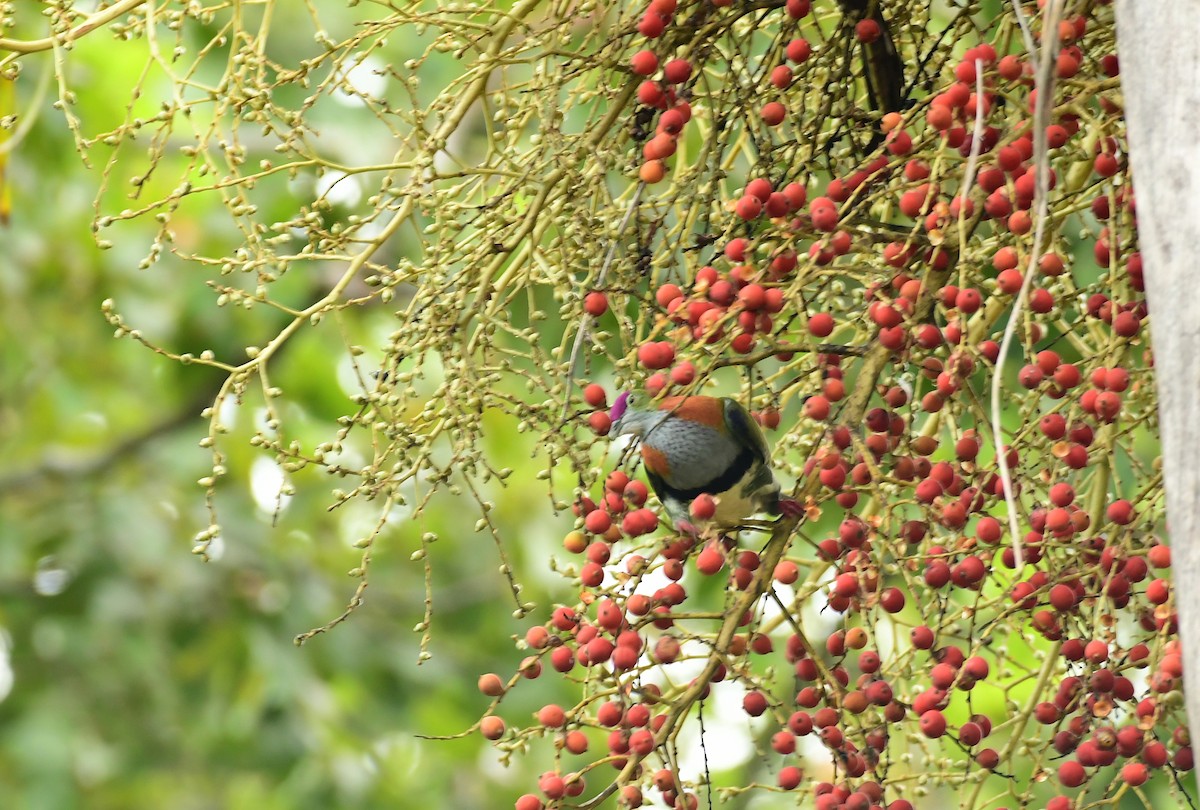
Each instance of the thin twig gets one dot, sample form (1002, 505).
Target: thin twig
(18, 46)
(1027, 34)
(1044, 83)
(581, 335)
(972, 160)
(976, 147)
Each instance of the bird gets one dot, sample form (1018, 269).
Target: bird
(699, 444)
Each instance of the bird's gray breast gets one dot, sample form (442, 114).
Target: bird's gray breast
(696, 453)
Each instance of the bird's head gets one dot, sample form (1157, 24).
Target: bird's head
(623, 408)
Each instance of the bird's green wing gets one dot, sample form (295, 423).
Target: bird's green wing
(744, 430)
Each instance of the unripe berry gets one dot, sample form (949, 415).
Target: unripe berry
(491, 685)
(491, 727)
(652, 171)
(552, 716)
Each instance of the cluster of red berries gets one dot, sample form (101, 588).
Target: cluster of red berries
(661, 94)
(923, 296)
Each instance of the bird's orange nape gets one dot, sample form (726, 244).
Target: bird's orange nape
(708, 411)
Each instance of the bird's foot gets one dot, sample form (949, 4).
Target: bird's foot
(688, 528)
(791, 508)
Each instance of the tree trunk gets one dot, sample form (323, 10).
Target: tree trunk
(1160, 78)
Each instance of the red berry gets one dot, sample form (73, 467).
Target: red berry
(710, 560)
(789, 777)
(651, 94)
(683, 374)
(821, 325)
(671, 123)
(735, 250)
(798, 50)
(594, 395)
(1096, 651)
(968, 301)
(1009, 281)
(641, 742)
(652, 25)
(1071, 774)
(491, 727)
(529, 802)
(892, 600)
(576, 742)
(677, 71)
(552, 716)
(933, 723)
(786, 572)
(817, 407)
(754, 703)
(1062, 597)
(988, 530)
(703, 506)
(597, 521)
(773, 113)
(600, 423)
(748, 207)
(1120, 512)
(1159, 556)
(798, 8)
(825, 217)
(491, 685)
(867, 31)
(652, 171)
(656, 355)
(1135, 774)
(643, 63)
(595, 304)
(922, 637)
(760, 188)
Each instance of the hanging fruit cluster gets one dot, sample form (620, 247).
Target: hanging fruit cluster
(858, 269)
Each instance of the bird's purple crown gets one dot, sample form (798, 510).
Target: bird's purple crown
(618, 408)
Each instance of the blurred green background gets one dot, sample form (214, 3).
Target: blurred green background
(132, 674)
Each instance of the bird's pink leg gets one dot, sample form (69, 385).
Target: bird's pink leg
(790, 507)
(687, 528)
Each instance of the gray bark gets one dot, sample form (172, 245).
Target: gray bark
(1159, 51)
